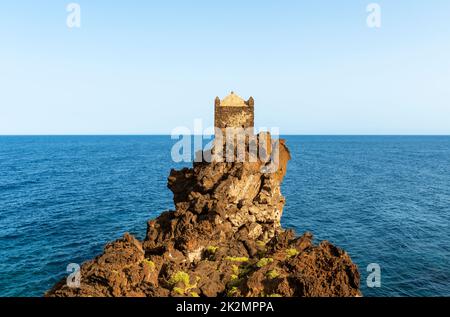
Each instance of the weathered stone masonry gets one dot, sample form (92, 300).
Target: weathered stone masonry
(234, 112)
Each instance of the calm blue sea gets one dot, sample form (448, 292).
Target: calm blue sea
(385, 200)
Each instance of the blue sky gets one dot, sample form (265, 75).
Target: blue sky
(145, 67)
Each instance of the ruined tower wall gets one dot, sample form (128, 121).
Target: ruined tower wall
(234, 112)
(237, 117)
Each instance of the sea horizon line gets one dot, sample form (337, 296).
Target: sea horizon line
(210, 135)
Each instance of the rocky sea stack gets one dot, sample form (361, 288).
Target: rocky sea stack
(224, 238)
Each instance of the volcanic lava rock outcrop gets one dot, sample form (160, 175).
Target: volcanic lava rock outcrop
(224, 238)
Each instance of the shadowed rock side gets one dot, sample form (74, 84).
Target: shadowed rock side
(223, 239)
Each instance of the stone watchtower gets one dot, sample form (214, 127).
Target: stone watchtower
(234, 112)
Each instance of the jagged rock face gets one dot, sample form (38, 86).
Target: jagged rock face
(223, 239)
(122, 270)
(219, 201)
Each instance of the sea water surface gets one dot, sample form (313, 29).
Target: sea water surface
(384, 199)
